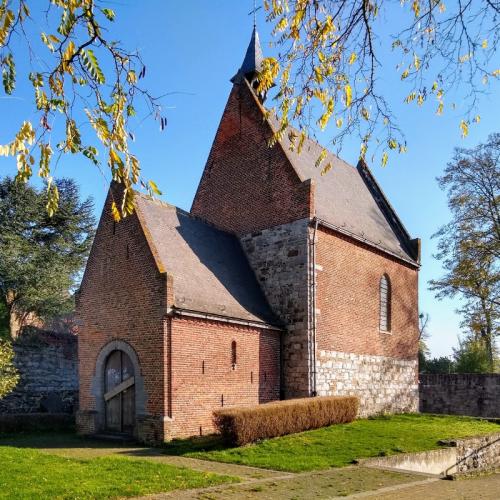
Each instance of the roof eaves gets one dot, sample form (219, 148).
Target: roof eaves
(225, 319)
(367, 242)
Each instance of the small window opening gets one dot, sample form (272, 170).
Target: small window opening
(385, 304)
(233, 355)
(128, 252)
(222, 400)
(203, 367)
(251, 377)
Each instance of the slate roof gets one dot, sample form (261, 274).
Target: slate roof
(210, 271)
(253, 59)
(349, 198)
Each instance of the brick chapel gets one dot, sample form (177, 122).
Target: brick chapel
(279, 283)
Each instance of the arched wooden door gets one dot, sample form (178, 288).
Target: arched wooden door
(119, 393)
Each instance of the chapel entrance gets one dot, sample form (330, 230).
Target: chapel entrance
(119, 393)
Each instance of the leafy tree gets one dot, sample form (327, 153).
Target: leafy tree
(473, 356)
(437, 365)
(329, 64)
(73, 85)
(9, 376)
(469, 245)
(41, 257)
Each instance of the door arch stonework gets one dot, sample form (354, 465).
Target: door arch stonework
(99, 383)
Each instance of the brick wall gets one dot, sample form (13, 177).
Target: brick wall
(203, 378)
(380, 367)
(473, 394)
(247, 185)
(123, 296)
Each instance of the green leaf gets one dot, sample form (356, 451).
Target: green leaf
(9, 74)
(92, 65)
(110, 14)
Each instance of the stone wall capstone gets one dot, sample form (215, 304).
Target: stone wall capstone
(47, 364)
(472, 394)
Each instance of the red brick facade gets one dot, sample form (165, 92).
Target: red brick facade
(203, 377)
(325, 292)
(246, 185)
(348, 299)
(185, 363)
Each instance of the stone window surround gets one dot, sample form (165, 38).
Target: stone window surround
(97, 389)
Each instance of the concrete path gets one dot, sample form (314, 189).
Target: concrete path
(347, 482)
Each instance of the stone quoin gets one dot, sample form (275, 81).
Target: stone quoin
(279, 283)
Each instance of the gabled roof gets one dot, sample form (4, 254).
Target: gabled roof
(209, 269)
(349, 198)
(253, 59)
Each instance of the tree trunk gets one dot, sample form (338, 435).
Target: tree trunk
(15, 321)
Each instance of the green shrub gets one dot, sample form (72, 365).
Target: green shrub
(242, 425)
(36, 422)
(9, 376)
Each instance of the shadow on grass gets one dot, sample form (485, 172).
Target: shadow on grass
(69, 440)
(180, 447)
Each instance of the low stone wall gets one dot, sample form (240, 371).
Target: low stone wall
(478, 453)
(383, 384)
(475, 395)
(463, 456)
(49, 375)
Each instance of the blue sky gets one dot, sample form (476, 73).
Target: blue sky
(191, 49)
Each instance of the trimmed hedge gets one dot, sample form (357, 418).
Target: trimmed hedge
(242, 425)
(36, 422)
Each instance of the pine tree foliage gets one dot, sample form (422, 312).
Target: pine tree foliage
(41, 256)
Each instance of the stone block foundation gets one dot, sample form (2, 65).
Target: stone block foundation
(383, 384)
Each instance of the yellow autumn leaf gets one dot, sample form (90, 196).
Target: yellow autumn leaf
(464, 126)
(154, 188)
(348, 95)
(484, 45)
(477, 118)
(326, 168)
(365, 114)
(385, 157)
(353, 58)
(405, 74)
(339, 122)
(496, 72)
(439, 110)
(115, 212)
(416, 62)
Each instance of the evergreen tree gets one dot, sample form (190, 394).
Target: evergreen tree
(41, 257)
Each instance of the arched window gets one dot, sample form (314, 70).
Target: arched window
(385, 303)
(233, 355)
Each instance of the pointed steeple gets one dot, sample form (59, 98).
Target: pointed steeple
(252, 61)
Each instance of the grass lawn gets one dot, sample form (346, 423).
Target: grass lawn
(339, 445)
(27, 473)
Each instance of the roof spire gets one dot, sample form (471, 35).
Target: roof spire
(253, 57)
